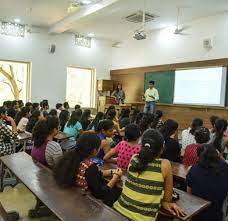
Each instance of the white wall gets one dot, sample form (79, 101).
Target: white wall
(163, 47)
(48, 73)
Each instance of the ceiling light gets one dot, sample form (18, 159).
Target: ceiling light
(86, 2)
(17, 20)
(12, 29)
(91, 35)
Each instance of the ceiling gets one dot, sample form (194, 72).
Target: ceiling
(109, 23)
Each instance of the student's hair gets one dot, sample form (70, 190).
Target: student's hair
(145, 122)
(86, 114)
(132, 132)
(58, 105)
(117, 87)
(77, 106)
(109, 108)
(169, 128)
(53, 112)
(95, 122)
(74, 118)
(111, 115)
(14, 103)
(35, 106)
(32, 120)
(2, 110)
(66, 105)
(209, 159)
(42, 129)
(45, 103)
(104, 125)
(24, 111)
(133, 115)
(202, 135)
(197, 122)
(158, 115)
(213, 118)
(67, 167)
(7, 104)
(63, 117)
(220, 127)
(20, 103)
(125, 113)
(28, 104)
(152, 145)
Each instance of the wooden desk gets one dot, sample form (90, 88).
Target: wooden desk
(23, 138)
(3, 214)
(66, 204)
(62, 136)
(179, 170)
(191, 205)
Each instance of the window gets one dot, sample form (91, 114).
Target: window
(80, 87)
(14, 81)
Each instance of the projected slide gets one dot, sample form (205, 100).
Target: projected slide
(200, 86)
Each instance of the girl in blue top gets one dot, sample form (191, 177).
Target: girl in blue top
(73, 126)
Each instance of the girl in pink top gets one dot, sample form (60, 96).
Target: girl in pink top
(127, 148)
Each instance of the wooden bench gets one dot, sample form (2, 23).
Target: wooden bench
(3, 214)
(179, 170)
(191, 205)
(66, 204)
(62, 136)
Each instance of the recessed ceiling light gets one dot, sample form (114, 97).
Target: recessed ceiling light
(17, 20)
(91, 35)
(86, 2)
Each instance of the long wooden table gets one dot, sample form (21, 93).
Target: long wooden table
(66, 204)
(179, 170)
(191, 204)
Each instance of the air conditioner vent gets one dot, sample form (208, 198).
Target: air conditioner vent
(137, 17)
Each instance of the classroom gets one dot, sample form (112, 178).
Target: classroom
(114, 110)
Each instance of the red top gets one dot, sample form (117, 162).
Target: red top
(190, 154)
(125, 152)
(80, 177)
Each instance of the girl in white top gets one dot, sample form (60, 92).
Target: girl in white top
(188, 136)
(22, 118)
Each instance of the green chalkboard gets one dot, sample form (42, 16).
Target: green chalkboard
(164, 83)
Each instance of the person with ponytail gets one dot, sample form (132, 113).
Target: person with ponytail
(76, 168)
(208, 179)
(217, 138)
(36, 116)
(187, 136)
(172, 149)
(22, 118)
(45, 150)
(149, 183)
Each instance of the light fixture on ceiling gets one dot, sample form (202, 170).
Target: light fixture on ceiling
(12, 29)
(83, 41)
(17, 20)
(91, 35)
(84, 2)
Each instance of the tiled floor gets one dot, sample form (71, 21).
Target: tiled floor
(21, 200)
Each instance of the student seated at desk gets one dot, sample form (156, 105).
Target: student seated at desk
(149, 183)
(127, 148)
(202, 135)
(74, 128)
(217, 139)
(85, 119)
(111, 115)
(104, 131)
(172, 150)
(213, 118)
(187, 135)
(76, 168)
(208, 179)
(7, 135)
(59, 108)
(145, 122)
(53, 113)
(124, 118)
(157, 122)
(22, 118)
(95, 122)
(63, 118)
(36, 116)
(45, 150)
(13, 109)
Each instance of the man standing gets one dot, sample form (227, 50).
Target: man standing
(151, 96)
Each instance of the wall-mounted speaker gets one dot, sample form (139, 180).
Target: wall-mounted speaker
(52, 48)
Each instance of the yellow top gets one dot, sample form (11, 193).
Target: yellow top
(142, 193)
(151, 92)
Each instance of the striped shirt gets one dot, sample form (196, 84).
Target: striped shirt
(53, 152)
(142, 193)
